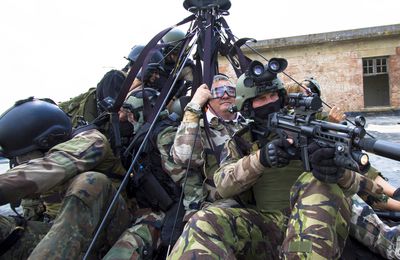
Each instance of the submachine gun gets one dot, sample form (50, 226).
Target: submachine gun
(349, 141)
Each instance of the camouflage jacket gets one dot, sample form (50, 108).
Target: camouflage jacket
(86, 151)
(201, 151)
(157, 160)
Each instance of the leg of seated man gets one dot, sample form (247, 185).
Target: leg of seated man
(227, 233)
(319, 221)
(84, 206)
(24, 237)
(139, 241)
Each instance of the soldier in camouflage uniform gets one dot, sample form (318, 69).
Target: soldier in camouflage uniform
(365, 226)
(72, 165)
(312, 223)
(147, 232)
(194, 146)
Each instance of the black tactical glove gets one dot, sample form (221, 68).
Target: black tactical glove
(323, 163)
(274, 153)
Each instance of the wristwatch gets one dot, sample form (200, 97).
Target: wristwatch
(194, 108)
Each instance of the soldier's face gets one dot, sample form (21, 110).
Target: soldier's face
(126, 115)
(223, 103)
(154, 76)
(265, 99)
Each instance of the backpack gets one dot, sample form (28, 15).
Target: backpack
(82, 109)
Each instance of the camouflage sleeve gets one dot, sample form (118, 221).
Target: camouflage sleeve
(186, 141)
(64, 161)
(237, 175)
(353, 182)
(193, 186)
(165, 139)
(373, 173)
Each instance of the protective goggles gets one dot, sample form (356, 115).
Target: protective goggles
(219, 92)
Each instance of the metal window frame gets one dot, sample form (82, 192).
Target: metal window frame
(383, 59)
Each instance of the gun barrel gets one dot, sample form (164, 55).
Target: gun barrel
(381, 148)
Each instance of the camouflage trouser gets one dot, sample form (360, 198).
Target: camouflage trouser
(366, 227)
(86, 201)
(317, 228)
(226, 233)
(319, 220)
(138, 241)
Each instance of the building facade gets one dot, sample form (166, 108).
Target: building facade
(359, 70)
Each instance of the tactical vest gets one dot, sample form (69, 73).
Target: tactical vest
(272, 190)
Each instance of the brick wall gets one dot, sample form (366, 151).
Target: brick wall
(337, 66)
(394, 78)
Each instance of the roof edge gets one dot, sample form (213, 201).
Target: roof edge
(337, 36)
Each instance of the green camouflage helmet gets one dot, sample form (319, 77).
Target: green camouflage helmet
(135, 99)
(244, 93)
(134, 102)
(313, 85)
(173, 39)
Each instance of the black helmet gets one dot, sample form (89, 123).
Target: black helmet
(156, 60)
(32, 124)
(135, 52)
(156, 63)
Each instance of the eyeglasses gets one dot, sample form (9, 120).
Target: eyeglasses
(219, 92)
